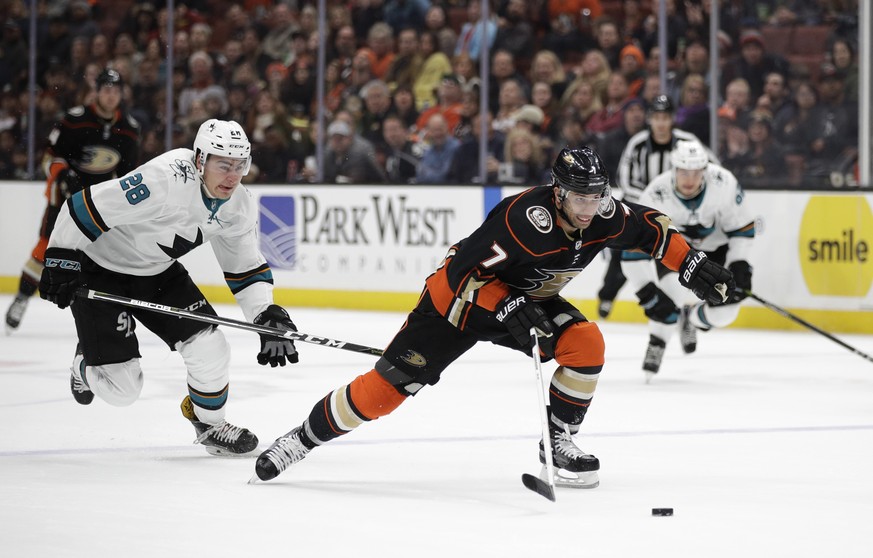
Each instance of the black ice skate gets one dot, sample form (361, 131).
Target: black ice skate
(654, 356)
(81, 392)
(573, 467)
(222, 439)
(687, 331)
(285, 451)
(16, 312)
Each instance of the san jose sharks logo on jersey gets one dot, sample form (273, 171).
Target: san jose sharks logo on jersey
(181, 245)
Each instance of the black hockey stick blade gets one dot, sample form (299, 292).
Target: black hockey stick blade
(786, 314)
(229, 322)
(537, 485)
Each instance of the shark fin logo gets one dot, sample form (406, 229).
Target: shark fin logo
(182, 246)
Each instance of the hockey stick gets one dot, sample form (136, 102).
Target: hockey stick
(229, 322)
(804, 323)
(543, 488)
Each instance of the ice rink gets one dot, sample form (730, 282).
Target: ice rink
(762, 442)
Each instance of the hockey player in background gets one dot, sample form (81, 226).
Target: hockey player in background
(124, 236)
(646, 155)
(92, 143)
(496, 285)
(708, 206)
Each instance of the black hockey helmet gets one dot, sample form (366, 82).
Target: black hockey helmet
(581, 171)
(661, 103)
(109, 77)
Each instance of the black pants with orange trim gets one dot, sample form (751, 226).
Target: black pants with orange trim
(427, 344)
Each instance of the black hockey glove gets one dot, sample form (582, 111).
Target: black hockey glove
(656, 304)
(742, 273)
(708, 280)
(275, 350)
(68, 182)
(518, 313)
(60, 276)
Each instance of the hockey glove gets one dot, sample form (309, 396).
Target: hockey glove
(60, 276)
(68, 182)
(518, 313)
(708, 280)
(657, 305)
(742, 273)
(275, 350)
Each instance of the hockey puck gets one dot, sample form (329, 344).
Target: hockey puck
(662, 511)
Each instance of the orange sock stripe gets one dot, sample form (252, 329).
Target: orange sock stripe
(373, 396)
(573, 402)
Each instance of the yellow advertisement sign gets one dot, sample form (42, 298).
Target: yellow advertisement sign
(835, 245)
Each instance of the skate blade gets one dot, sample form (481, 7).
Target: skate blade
(254, 479)
(567, 479)
(218, 452)
(649, 376)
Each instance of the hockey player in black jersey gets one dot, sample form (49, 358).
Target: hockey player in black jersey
(92, 143)
(497, 284)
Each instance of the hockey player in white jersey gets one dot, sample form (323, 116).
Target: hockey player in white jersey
(706, 204)
(124, 236)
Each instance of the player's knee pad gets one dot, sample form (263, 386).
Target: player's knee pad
(207, 357)
(373, 395)
(722, 315)
(581, 346)
(119, 384)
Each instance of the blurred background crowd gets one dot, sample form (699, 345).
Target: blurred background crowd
(402, 84)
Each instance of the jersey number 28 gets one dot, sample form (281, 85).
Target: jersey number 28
(134, 189)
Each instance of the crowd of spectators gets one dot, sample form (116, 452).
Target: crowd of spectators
(402, 90)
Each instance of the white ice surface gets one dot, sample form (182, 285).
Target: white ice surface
(762, 442)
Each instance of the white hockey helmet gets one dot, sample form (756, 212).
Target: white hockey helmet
(690, 155)
(224, 138)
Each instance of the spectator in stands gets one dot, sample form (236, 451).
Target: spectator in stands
(282, 24)
(512, 98)
(380, 48)
(563, 35)
(436, 22)
(238, 104)
(608, 38)
(277, 159)
(611, 144)
(401, 155)
(404, 106)
(469, 110)
(298, 88)
(595, 69)
(467, 70)
(361, 74)
(835, 127)
(523, 160)
(80, 21)
(760, 162)
(794, 129)
(476, 32)
(377, 105)
(737, 102)
(610, 116)
(543, 98)
(753, 63)
(692, 115)
(465, 163)
(580, 101)
(344, 47)
(402, 14)
(631, 65)
(438, 153)
(776, 95)
(266, 111)
(434, 65)
(448, 106)
(843, 58)
(252, 51)
(407, 63)
(348, 162)
(200, 83)
(546, 67)
(695, 60)
(515, 32)
(503, 68)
